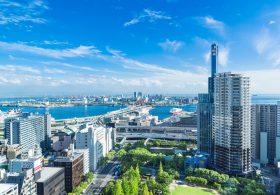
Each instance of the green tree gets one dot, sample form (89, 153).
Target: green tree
(145, 190)
(109, 189)
(126, 186)
(217, 186)
(160, 169)
(118, 188)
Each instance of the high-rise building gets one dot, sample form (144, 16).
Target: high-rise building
(204, 136)
(263, 132)
(98, 140)
(47, 131)
(205, 110)
(26, 130)
(231, 123)
(277, 147)
(73, 169)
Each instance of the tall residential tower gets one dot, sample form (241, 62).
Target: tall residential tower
(231, 124)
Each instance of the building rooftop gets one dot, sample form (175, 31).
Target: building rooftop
(6, 186)
(69, 158)
(48, 172)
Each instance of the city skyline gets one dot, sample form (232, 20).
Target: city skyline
(114, 47)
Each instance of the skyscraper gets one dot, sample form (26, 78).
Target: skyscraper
(204, 136)
(214, 58)
(277, 147)
(47, 131)
(231, 124)
(205, 110)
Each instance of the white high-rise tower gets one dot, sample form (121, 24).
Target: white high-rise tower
(231, 123)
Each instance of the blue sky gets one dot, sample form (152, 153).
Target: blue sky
(88, 47)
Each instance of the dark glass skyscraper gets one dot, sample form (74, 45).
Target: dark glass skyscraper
(214, 58)
(205, 111)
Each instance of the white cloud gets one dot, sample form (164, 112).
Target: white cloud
(171, 45)
(263, 41)
(267, 43)
(272, 22)
(264, 81)
(223, 56)
(16, 12)
(148, 15)
(211, 23)
(80, 51)
(80, 67)
(54, 42)
(17, 68)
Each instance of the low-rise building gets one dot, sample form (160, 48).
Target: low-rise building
(8, 189)
(31, 159)
(25, 180)
(51, 181)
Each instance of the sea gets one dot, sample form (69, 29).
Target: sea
(161, 111)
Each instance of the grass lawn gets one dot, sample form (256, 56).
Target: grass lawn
(183, 190)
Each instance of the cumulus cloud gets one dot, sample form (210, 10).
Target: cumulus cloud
(171, 45)
(148, 15)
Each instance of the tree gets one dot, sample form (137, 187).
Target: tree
(145, 189)
(137, 173)
(118, 188)
(217, 186)
(126, 186)
(160, 169)
(164, 179)
(109, 188)
(196, 180)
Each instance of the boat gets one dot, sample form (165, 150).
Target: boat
(176, 111)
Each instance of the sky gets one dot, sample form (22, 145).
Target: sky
(103, 47)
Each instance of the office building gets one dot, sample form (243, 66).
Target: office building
(25, 181)
(73, 169)
(85, 152)
(205, 110)
(98, 140)
(26, 130)
(263, 132)
(51, 181)
(231, 123)
(8, 189)
(30, 159)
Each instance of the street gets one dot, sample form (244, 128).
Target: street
(103, 176)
